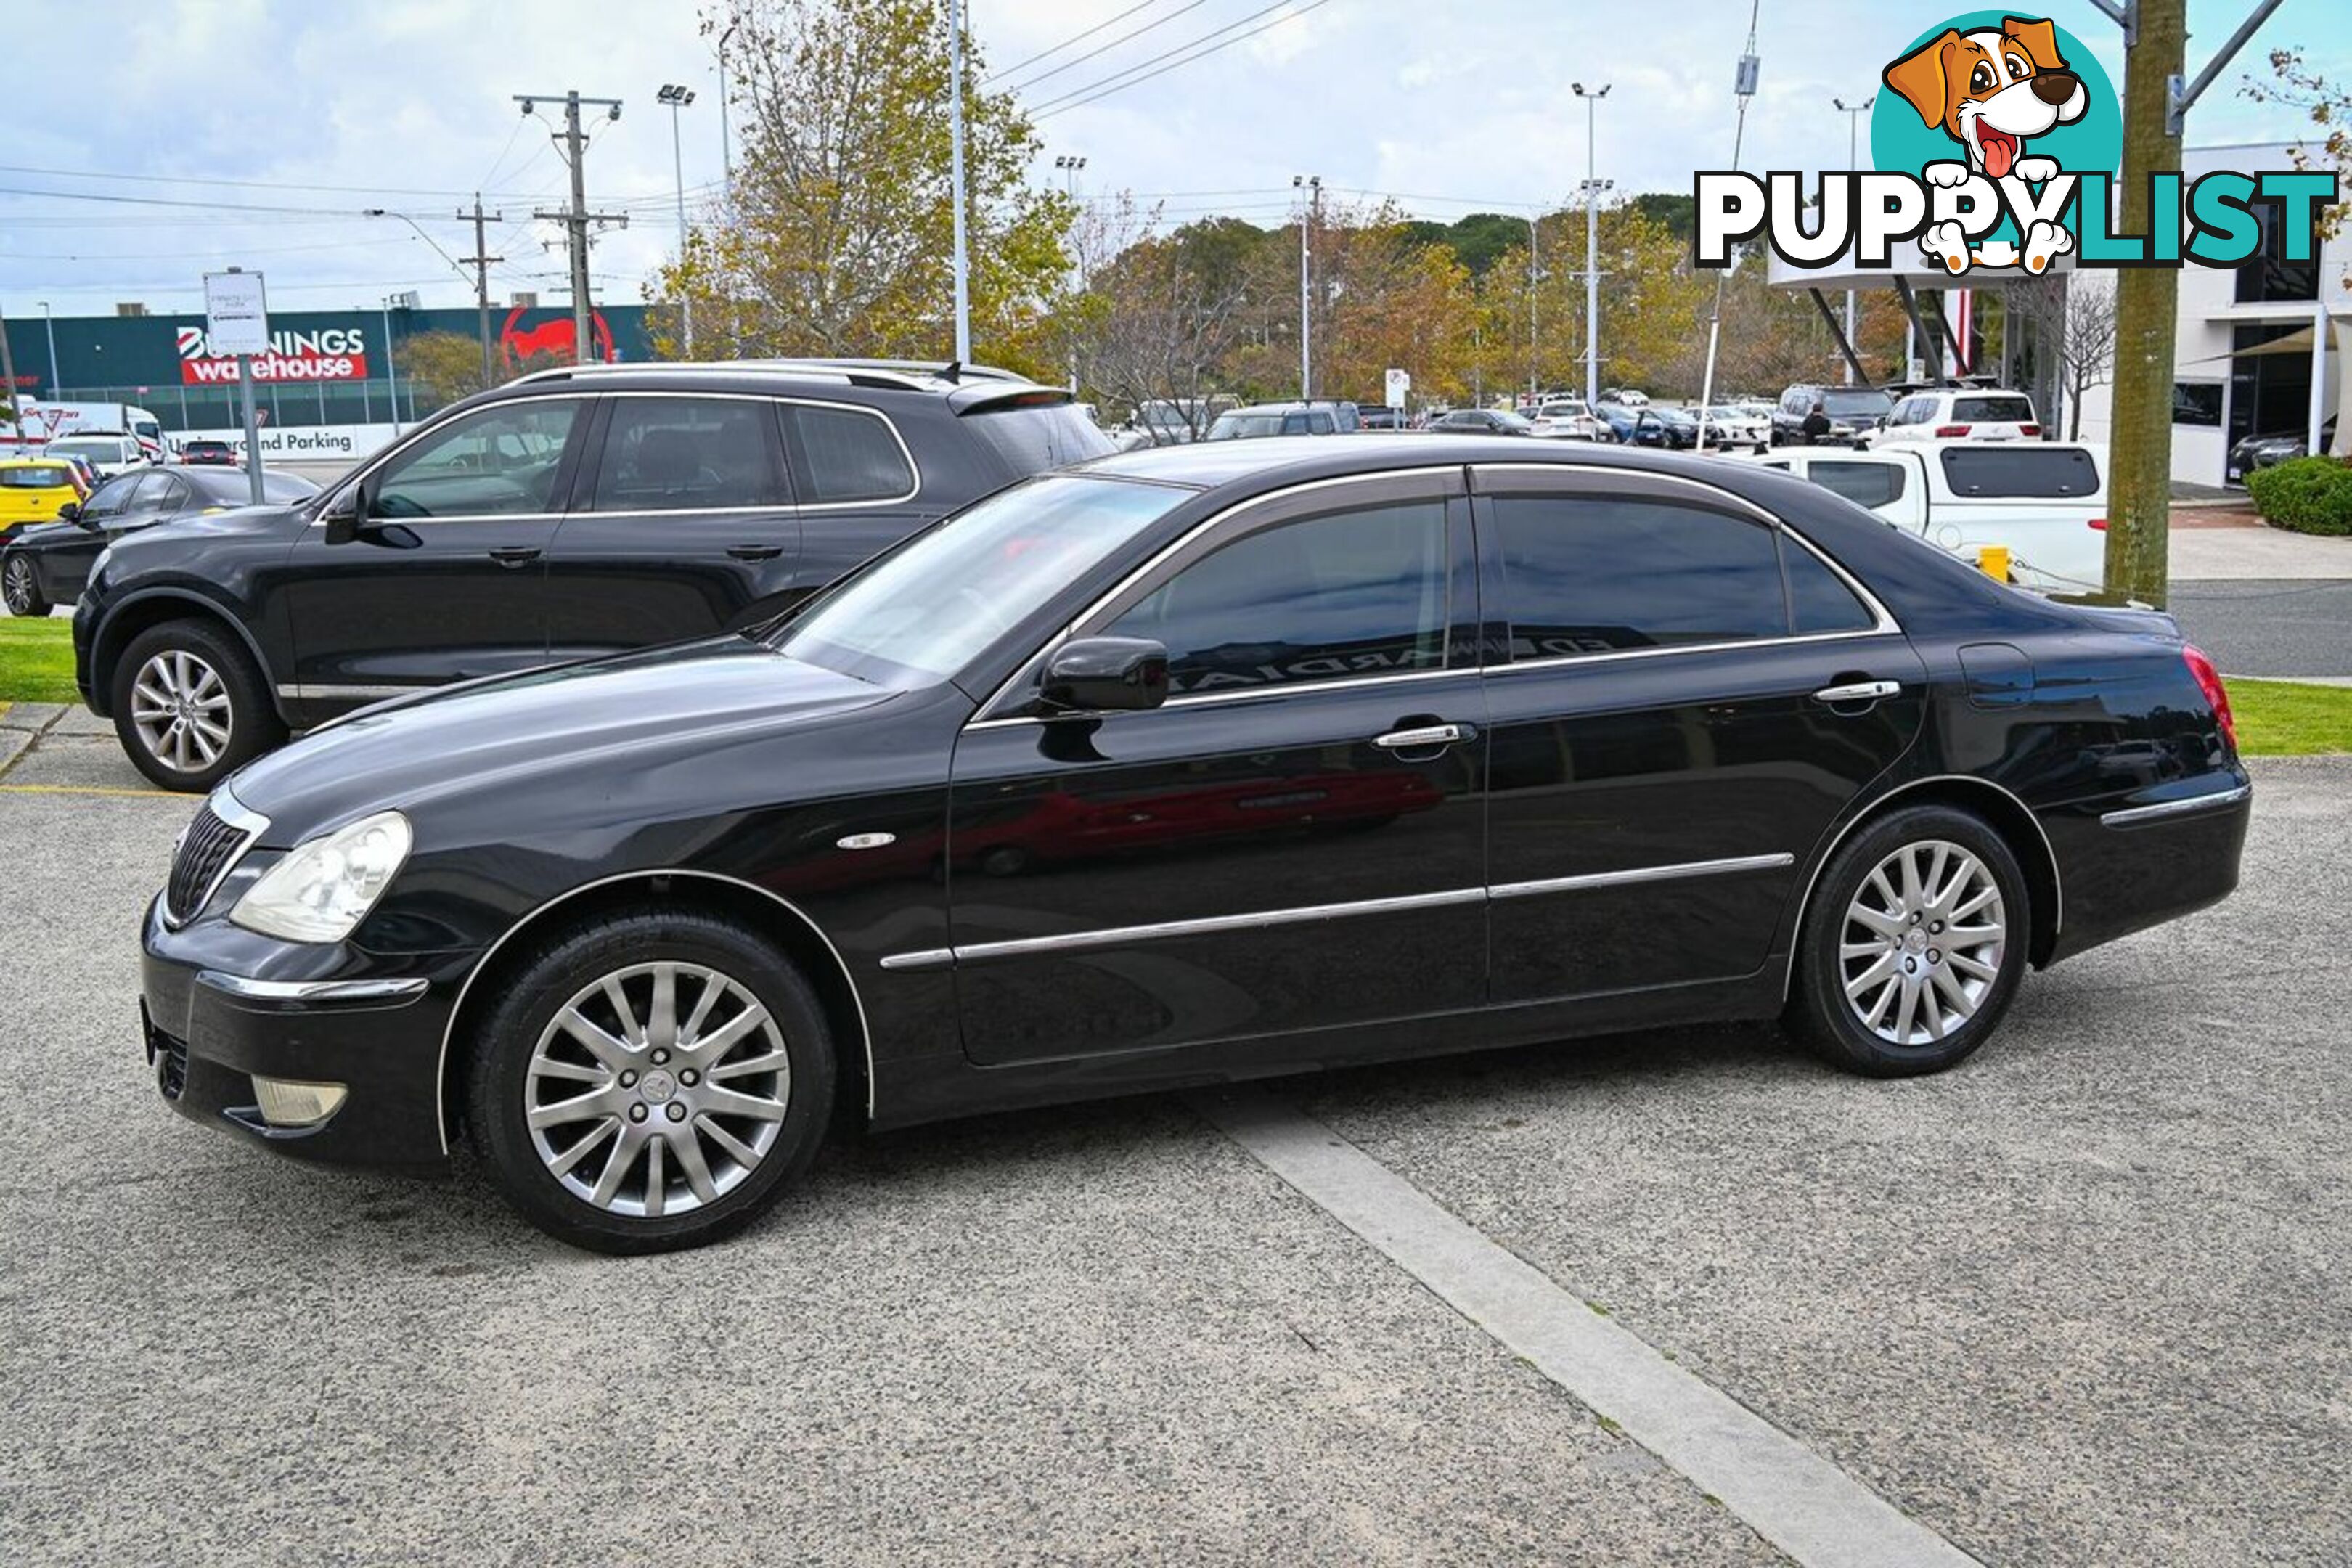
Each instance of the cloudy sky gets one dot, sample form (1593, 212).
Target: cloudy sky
(288, 118)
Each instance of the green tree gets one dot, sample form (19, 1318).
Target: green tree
(836, 235)
(442, 366)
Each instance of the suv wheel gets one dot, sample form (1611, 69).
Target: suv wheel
(190, 705)
(21, 587)
(1914, 945)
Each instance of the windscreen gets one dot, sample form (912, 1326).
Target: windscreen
(1857, 403)
(106, 446)
(924, 611)
(1244, 426)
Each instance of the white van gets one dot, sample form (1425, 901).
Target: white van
(2045, 501)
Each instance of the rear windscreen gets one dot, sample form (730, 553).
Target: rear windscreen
(48, 476)
(1993, 411)
(1996, 468)
(1034, 437)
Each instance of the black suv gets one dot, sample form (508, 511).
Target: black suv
(571, 513)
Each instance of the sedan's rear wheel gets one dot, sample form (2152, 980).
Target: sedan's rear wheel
(651, 1082)
(20, 586)
(1913, 946)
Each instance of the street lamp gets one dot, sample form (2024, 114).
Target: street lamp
(1853, 112)
(1592, 189)
(726, 138)
(1312, 187)
(678, 98)
(1069, 163)
(1534, 391)
(49, 325)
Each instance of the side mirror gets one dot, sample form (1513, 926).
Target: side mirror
(1107, 674)
(345, 515)
(71, 512)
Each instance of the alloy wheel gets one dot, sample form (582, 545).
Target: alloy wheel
(1922, 942)
(181, 708)
(19, 587)
(658, 1089)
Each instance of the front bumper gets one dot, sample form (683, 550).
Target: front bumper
(220, 1005)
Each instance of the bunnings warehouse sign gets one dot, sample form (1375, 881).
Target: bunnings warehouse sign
(330, 353)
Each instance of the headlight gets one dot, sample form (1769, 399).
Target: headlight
(319, 891)
(98, 567)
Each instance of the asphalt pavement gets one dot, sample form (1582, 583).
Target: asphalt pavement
(2283, 627)
(2081, 1302)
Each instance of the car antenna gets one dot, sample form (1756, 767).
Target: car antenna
(952, 372)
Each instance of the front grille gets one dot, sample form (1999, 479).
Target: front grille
(171, 1065)
(206, 851)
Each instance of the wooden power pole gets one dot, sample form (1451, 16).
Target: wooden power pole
(2147, 304)
(481, 261)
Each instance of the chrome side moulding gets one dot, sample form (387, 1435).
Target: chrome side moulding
(2215, 800)
(312, 991)
(1642, 874)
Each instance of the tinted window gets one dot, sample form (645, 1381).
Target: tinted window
(231, 488)
(845, 455)
(1034, 437)
(1865, 484)
(2197, 403)
(1353, 593)
(1321, 424)
(36, 477)
(112, 497)
(677, 454)
(1856, 403)
(1996, 468)
(158, 495)
(1817, 600)
(1594, 575)
(1993, 410)
(499, 462)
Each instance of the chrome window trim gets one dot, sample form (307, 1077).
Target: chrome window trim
(1118, 936)
(458, 1008)
(1564, 660)
(2212, 800)
(307, 691)
(312, 991)
(1175, 547)
(1199, 699)
(238, 815)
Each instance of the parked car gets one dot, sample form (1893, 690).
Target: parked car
(1733, 425)
(47, 566)
(637, 930)
(108, 454)
(2263, 451)
(1657, 426)
(1566, 419)
(205, 450)
(36, 489)
(1258, 420)
(1631, 397)
(1380, 417)
(1948, 413)
(574, 512)
(1481, 422)
(2045, 501)
(1854, 412)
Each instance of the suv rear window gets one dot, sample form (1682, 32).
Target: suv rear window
(1034, 437)
(1993, 411)
(849, 455)
(1995, 469)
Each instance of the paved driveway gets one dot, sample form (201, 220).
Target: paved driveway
(2083, 1301)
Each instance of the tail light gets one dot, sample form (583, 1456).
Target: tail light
(1953, 431)
(2208, 681)
(2100, 523)
(2029, 429)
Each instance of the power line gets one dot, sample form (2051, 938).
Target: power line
(1066, 43)
(1105, 48)
(244, 185)
(1080, 98)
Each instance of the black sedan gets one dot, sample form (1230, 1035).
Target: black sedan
(1481, 422)
(1189, 764)
(2277, 446)
(47, 565)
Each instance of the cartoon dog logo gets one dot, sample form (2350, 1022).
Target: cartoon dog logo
(1991, 90)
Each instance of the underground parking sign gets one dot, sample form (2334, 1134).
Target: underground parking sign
(237, 315)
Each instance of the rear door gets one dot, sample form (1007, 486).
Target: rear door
(684, 519)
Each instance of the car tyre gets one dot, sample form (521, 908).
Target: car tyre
(1913, 946)
(684, 1178)
(20, 586)
(191, 706)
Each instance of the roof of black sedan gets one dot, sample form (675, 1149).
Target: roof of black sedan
(1292, 459)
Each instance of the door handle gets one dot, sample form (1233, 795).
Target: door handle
(755, 552)
(515, 554)
(1859, 691)
(1422, 737)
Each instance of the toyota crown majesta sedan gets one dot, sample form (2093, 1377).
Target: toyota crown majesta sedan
(1196, 763)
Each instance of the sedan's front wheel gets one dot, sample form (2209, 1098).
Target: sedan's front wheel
(1914, 945)
(20, 586)
(651, 1081)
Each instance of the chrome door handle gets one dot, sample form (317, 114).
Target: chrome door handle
(1416, 740)
(1860, 692)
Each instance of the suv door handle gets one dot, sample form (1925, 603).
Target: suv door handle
(1422, 737)
(515, 554)
(1859, 691)
(755, 552)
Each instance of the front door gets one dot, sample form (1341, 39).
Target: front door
(445, 580)
(1295, 840)
(1670, 740)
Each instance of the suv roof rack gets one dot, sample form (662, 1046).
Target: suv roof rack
(911, 376)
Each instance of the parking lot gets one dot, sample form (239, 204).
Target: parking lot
(2081, 1302)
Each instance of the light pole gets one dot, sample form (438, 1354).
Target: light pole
(678, 97)
(1592, 189)
(1069, 163)
(1534, 396)
(391, 373)
(1853, 112)
(726, 136)
(1312, 187)
(955, 180)
(49, 325)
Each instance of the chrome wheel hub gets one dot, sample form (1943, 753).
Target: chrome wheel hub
(1922, 943)
(657, 1089)
(180, 709)
(18, 587)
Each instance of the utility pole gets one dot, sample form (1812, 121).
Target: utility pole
(955, 181)
(578, 217)
(1853, 113)
(1592, 189)
(480, 261)
(1312, 185)
(8, 383)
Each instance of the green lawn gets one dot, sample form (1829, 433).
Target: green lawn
(2275, 718)
(37, 660)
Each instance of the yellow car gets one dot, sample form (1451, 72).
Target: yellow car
(32, 489)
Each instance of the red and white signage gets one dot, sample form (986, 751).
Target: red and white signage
(333, 353)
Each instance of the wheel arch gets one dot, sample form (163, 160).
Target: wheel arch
(2009, 816)
(769, 913)
(151, 608)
